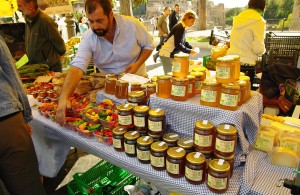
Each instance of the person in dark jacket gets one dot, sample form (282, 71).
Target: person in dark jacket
(174, 17)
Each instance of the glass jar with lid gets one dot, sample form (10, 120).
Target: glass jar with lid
(150, 89)
(140, 118)
(218, 176)
(204, 132)
(164, 85)
(199, 79)
(226, 138)
(237, 62)
(135, 86)
(243, 92)
(175, 162)
(191, 85)
(229, 159)
(118, 138)
(180, 65)
(195, 168)
(199, 69)
(155, 137)
(248, 86)
(122, 89)
(136, 98)
(125, 115)
(143, 149)
(158, 153)
(229, 97)
(156, 121)
(130, 141)
(187, 144)
(179, 91)
(171, 139)
(110, 84)
(210, 93)
(225, 70)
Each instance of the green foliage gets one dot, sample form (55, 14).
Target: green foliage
(286, 23)
(136, 3)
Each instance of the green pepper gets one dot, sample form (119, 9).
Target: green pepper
(102, 115)
(94, 127)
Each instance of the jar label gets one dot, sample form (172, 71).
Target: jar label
(229, 100)
(265, 143)
(190, 88)
(173, 136)
(117, 143)
(143, 155)
(176, 66)
(172, 168)
(155, 125)
(216, 183)
(198, 85)
(179, 91)
(162, 143)
(194, 175)
(222, 72)
(129, 148)
(157, 161)
(224, 146)
(203, 140)
(208, 96)
(125, 120)
(188, 141)
(139, 121)
(292, 145)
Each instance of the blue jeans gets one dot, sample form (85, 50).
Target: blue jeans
(167, 63)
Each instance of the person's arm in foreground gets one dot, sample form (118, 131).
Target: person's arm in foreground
(144, 55)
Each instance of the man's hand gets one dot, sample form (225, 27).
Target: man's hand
(165, 35)
(28, 126)
(61, 112)
(132, 68)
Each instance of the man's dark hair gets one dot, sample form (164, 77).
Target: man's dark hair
(90, 6)
(34, 2)
(176, 5)
(257, 4)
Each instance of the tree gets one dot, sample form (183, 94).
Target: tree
(295, 19)
(202, 14)
(271, 9)
(126, 6)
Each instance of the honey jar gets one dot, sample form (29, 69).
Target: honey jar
(237, 62)
(110, 84)
(158, 153)
(163, 88)
(191, 85)
(199, 78)
(140, 118)
(118, 138)
(125, 115)
(243, 92)
(199, 69)
(175, 162)
(50, 93)
(218, 176)
(122, 89)
(248, 86)
(150, 89)
(171, 139)
(143, 149)
(155, 137)
(225, 70)
(229, 96)
(34, 94)
(195, 168)
(135, 86)
(156, 122)
(204, 132)
(210, 93)
(130, 141)
(136, 98)
(179, 91)
(229, 159)
(180, 65)
(226, 138)
(187, 144)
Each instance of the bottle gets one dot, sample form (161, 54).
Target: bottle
(210, 93)
(143, 149)
(125, 115)
(195, 168)
(218, 176)
(229, 98)
(175, 162)
(204, 135)
(121, 89)
(158, 153)
(130, 141)
(156, 122)
(179, 91)
(171, 139)
(163, 87)
(180, 65)
(140, 118)
(118, 138)
(226, 137)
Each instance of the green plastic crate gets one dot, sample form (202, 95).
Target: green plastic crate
(102, 179)
(209, 63)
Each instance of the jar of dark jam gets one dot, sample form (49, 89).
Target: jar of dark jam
(136, 98)
(208, 156)
(143, 149)
(195, 168)
(140, 118)
(118, 138)
(229, 159)
(121, 89)
(158, 153)
(187, 144)
(135, 86)
(226, 138)
(218, 175)
(171, 139)
(156, 121)
(130, 139)
(110, 84)
(175, 162)
(204, 135)
(125, 115)
(156, 138)
(150, 89)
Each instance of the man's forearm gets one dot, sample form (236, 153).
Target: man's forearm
(145, 53)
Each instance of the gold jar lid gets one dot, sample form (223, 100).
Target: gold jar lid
(110, 76)
(156, 112)
(226, 129)
(180, 79)
(185, 143)
(150, 85)
(135, 83)
(242, 83)
(171, 137)
(111, 79)
(154, 79)
(190, 77)
(155, 136)
(159, 146)
(143, 87)
(119, 130)
(198, 74)
(204, 125)
(145, 140)
(181, 55)
(230, 86)
(176, 152)
(235, 57)
(242, 74)
(122, 82)
(219, 165)
(225, 59)
(136, 94)
(199, 69)
(132, 135)
(210, 82)
(125, 107)
(164, 77)
(245, 78)
(196, 158)
(141, 109)
(224, 157)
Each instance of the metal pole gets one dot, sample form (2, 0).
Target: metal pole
(283, 24)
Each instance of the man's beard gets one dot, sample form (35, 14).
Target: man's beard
(100, 33)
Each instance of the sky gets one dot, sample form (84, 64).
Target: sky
(232, 3)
